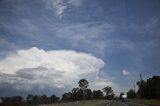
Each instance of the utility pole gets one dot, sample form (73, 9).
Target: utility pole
(141, 88)
(141, 77)
(134, 88)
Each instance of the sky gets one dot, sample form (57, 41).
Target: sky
(47, 46)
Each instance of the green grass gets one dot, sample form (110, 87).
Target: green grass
(80, 103)
(152, 102)
(93, 103)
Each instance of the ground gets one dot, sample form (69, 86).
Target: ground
(131, 102)
(82, 103)
(152, 102)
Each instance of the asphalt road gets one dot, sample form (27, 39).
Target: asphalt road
(119, 103)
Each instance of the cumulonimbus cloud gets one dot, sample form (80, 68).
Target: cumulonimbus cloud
(32, 67)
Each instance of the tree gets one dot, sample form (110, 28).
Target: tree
(36, 99)
(142, 88)
(76, 94)
(149, 88)
(7, 101)
(17, 100)
(97, 94)
(111, 96)
(44, 99)
(131, 94)
(153, 87)
(83, 84)
(88, 94)
(75, 90)
(54, 99)
(67, 97)
(108, 90)
(30, 99)
(12, 101)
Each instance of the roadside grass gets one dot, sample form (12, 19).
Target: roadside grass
(80, 103)
(152, 102)
(94, 103)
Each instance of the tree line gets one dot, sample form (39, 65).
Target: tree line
(30, 100)
(147, 89)
(82, 92)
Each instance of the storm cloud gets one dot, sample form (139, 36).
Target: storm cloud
(33, 68)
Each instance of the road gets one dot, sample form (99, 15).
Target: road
(119, 103)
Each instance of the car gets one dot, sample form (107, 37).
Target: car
(124, 98)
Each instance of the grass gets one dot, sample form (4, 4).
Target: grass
(152, 102)
(93, 103)
(81, 103)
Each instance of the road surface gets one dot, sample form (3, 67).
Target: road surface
(119, 103)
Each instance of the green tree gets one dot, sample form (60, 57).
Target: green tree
(88, 94)
(97, 94)
(44, 99)
(12, 101)
(30, 99)
(54, 99)
(131, 94)
(149, 88)
(36, 99)
(153, 87)
(83, 84)
(142, 91)
(111, 96)
(76, 95)
(108, 90)
(17, 100)
(66, 97)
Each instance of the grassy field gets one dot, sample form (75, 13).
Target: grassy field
(152, 102)
(81, 103)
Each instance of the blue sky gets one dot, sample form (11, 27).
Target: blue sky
(108, 42)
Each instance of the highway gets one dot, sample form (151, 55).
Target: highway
(119, 103)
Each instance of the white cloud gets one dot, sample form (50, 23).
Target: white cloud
(90, 36)
(61, 5)
(94, 37)
(125, 72)
(148, 28)
(56, 68)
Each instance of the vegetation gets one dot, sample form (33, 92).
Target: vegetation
(109, 92)
(83, 84)
(152, 102)
(93, 103)
(30, 100)
(12, 101)
(77, 94)
(83, 93)
(131, 94)
(148, 92)
(82, 103)
(149, 88)
(97, 94)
